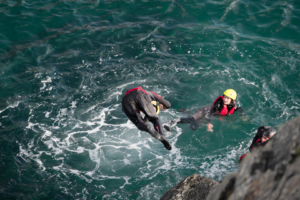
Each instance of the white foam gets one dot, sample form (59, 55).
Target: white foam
(48, 80)
(295, 108)
(126, 178)
(126, 161)
(287, 12)
(24, 154)
(143, 38)
(48, 51)
(73, 104)
(13, 105)
(47, 134)
(95, 157)
(233, 6)
(247, 82)
(47, 114)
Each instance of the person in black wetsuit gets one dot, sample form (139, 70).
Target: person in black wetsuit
(138, 100)
(263, 135)
(223, 105)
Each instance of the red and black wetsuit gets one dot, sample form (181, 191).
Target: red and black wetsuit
(138, 100)
(257, 137)
(256, 143)
(257, 140)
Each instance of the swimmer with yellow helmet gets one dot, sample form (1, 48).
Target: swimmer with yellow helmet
(223, 105)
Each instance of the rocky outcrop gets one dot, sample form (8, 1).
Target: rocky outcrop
(191, 188)
(269, 173)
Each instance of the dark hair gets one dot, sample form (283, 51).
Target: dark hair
(231, 105)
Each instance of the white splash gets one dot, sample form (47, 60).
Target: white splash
(48, 80)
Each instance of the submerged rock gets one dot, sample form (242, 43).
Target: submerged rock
(192, 187)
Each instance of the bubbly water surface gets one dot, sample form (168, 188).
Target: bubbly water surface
(65, 66)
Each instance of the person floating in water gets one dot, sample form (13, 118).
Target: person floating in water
(223, 105)
(263, 135)
(138, 100)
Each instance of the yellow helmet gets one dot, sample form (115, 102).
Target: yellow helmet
(156, 105)
(230, 93)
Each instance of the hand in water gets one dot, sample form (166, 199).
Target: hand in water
(222, 118)
(209, 127)
(244, 118)
(161, 107)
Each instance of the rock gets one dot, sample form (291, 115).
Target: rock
(268, 173)
(192, 187)
(228, 183)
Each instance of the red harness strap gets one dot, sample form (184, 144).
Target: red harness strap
(138, 88)
(155, 94)
(242, 157)
(258, 140)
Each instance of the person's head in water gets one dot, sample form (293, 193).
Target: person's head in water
(229, 96)
(269, 132)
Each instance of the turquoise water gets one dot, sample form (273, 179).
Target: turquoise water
(65, 66)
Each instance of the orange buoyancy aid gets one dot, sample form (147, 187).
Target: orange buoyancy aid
(224, 110)
(138, 88)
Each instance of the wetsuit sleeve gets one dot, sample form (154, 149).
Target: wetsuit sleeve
(208, 118)
(258, 135)
(156, 97)
(165, 103)
(216, 107)
(156, 122)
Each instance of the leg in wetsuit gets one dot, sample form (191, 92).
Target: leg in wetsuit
(194, 120)
(137, 101)
(191, 120)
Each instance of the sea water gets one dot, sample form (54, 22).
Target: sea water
(65, 66)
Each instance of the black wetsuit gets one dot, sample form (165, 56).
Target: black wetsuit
(138, 100)
(204, 113)
(257, 140)
(258, 135)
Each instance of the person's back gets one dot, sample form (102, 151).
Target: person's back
(138, 100)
